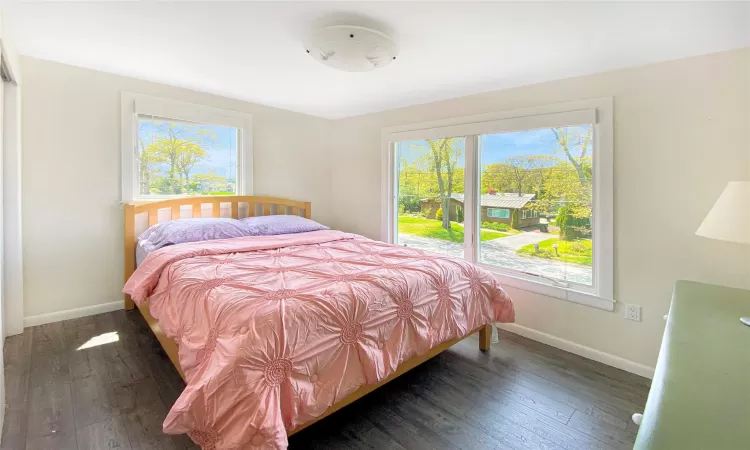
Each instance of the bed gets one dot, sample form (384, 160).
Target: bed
(278, 332)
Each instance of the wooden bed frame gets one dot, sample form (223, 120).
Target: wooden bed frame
(267, 206)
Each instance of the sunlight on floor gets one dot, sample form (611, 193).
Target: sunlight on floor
(105, 338)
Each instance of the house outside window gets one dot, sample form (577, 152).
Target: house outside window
(535, 188)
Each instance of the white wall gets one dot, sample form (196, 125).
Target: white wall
(680, 135)
(72, 218)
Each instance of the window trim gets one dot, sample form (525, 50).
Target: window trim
(598, 111)
(132, 105)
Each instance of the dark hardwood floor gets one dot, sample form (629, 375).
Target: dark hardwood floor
(67, 391)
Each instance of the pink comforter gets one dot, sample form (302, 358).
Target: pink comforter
(274, 330)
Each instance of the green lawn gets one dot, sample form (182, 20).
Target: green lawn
(432, 228)
(578, 252)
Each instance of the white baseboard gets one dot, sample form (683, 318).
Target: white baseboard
(581, 350)
(75, 313)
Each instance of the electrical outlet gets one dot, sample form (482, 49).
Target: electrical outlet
(633, 312)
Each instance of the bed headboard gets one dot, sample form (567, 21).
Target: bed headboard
(176, 208)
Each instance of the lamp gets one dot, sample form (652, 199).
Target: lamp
(729, 219)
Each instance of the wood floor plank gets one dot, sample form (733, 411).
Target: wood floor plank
(573, 398)
(370, 436)
(627, 379)
(140, 393)
(573, 368)
(125, 369)
(508, 388)
(606, 417)
(445, 424)
(144, 429)
(408, 434)
(512, 423)
(50, 410)
(85, 356)
(478, 404)
(49, 355)
(59, 441)
(515, 355)
(616, 437)
(17, 357)
(168, 381)
(347, 430)
(93, 400)
(107, 435)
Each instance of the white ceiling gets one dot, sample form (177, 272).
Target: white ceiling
(253, 51)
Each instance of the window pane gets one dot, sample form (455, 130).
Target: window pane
(543, 179)
(179, 158)
(431, 195)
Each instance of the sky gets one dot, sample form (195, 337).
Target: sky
(219, 142)
(498, 147)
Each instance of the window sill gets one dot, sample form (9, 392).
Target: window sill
(549, 289)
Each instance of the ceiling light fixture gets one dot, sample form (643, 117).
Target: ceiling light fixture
(351, 48)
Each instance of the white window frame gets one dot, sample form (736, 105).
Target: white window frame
(598, 112)
(133, 105)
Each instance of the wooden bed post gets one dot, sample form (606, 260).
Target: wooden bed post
(485, 337)
(129, 250)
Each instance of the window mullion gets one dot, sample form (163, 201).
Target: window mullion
(471, 230)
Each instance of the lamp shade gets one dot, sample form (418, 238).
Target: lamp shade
(729, 219)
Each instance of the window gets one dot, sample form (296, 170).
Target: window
(529, 214)
(499, 213)
(551, 169)
(430, 174)
(546, 171)
(172, 149)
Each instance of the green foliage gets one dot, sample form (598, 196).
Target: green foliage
(497, 226)
(572, 222)
(460, 215)
(180, 148)
(165, 185)
(209, 182)
(434, 229)
(439, 214)
(408, 199)
(577, 252)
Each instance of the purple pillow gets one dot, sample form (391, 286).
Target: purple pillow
(190, 230)
(271, 225)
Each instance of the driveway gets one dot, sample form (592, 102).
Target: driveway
(502, 252)
(516, 241)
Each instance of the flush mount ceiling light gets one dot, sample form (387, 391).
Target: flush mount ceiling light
(352, 48)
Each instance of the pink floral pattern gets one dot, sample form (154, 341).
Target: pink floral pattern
(273, 330)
